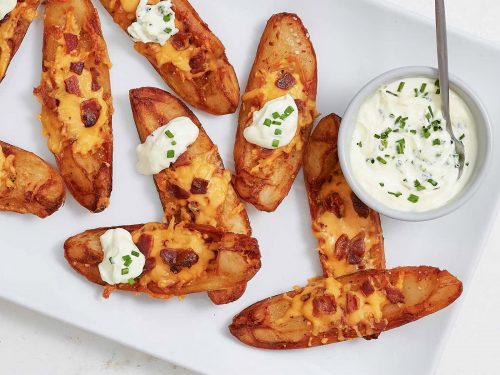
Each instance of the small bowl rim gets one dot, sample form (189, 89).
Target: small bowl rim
(348, 121)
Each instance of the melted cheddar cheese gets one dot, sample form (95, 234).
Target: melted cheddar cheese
(368, 312)
(268, 91)
(174, 237)
(22, 10)
(7, 171)
(67, 127)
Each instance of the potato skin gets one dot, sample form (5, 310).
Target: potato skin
(83, 252)
(38, 189)
(214, 89)
(13, 28)
(153, 108)
(87, 174)
(264, 177)
(338, 216)
(425, 290)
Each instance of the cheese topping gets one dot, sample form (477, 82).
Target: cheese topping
(165, 145)
(275, 124)
(66, 126)
(154, 23)
(6, 6)
(122, 261)
(7, 170)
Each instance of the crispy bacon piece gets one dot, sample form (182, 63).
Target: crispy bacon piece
(77, 67)
(95, 86)
(178, 192)
(149, 265)
(197, 62)
(356, 249)
(352, 303)
(199, 186)
(367, 288)
(341, 247)
(394, 295)
(361, 209)
(181, 40)
(334, 203)
(90, 112)
(72, 86)
(177, 259)
(145, 243)
(71, 41)
(325, 304)
(285, 82)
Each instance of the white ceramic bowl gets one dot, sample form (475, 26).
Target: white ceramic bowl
(345, 141)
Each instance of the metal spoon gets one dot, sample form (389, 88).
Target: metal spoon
(444, 83)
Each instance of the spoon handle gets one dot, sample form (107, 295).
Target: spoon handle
(442, 53)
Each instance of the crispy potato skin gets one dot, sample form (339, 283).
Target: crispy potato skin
(83, 252)
(87, 174)
(37, 188)
(425, 291)
(264, 177)
(12, 30)
(213, 89)
(153, 108)
(337, 215)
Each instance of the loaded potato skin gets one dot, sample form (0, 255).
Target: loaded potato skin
(285, 63)
(76, 100)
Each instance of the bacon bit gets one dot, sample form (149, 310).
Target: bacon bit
(77, 67)
(325, 304)
(149, 265)
(394, 295)
(90, 112)
(305, 297)
(356, 249)
(197, 62)
(209, 233)
(352, 303)
(43, 94)
(361, 209)
(285, 82)
(300, 104)
(181, 40)
(95, 86)
(177, 259)
(372, 337)
(341, 246)
(367, 288)
(380, 326)
(334, 203)
(199, 186)
(145, 243)
(71, 41)
(178, 192)
(72, 85)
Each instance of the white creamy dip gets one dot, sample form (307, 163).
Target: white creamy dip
(164, 146)
(401, 152)
(154, 23)
(122, 261)
(6, 6)
(275, 124)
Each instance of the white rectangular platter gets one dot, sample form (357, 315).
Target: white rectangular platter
(354, 41)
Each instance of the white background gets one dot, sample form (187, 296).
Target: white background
(33, 344)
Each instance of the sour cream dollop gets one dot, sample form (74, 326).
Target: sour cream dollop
(122, 261)
(6, 6)
(275, 124)
(154, 23)
(164, 146)
(401, 152)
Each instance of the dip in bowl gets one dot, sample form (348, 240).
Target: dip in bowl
(396, 153)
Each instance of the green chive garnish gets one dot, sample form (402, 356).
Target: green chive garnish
(430, 111)
(170, 154)
(173, 143)
(169, 134)
(131, 281)
(462, 137)
(167, 17)
(381, 160)
(275, 143)
(413, 198)
(127, 260)
(400, 146)
(359, 144)
(111, 260)
(419, 186)
(422, 88)
(401, 86)
(277, 131)
(275, 115)
(416, 92)
(436, 142)
(436, 83)
(381, 184)
(425, 132)
(397, 120)
(289, 110)
(391, 93)
(432, 182)
(168, 30)
(267, 122)
(376, 136)
(438, 91)
(276, 123)
(413, 131)
(397, 194)
(124, 271)
(135, 253)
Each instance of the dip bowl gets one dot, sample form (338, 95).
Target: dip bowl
(484, 146)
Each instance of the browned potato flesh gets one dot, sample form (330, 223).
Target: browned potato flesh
(192, 62)
(196, 188)
(27, 183)
(349, 233)
(362, 304)
(285, 63)
(13, 27)
(76, 100)
(221, 259)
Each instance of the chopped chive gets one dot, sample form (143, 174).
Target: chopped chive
(127, 260)
(275, 115)
(170, 154)
(391, 93)
(124, 271)
(381, 184)
(267, 122)
(131, 281)
(422, 87)
(397, 120)
(173, 143)
(384, 143)
(436, 142)
(436, 83)
(169, 134)
(416, 92)
(167, 17)
(425, 132)
(275, 143)
(467, 164)
(401, 86)
(413, 198)
(419, 186)
(428, 116)
(289, 110)
(276, 122)
(381, 160)
(413, 131)
(360, 144)
(168, 30)
(111, 260)
(277, 131)
(438, 91)
(400, 146)
(376, 136)
(135, 253)
(462, 137)
(432, 182)
(397, 194)
(430, 111)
